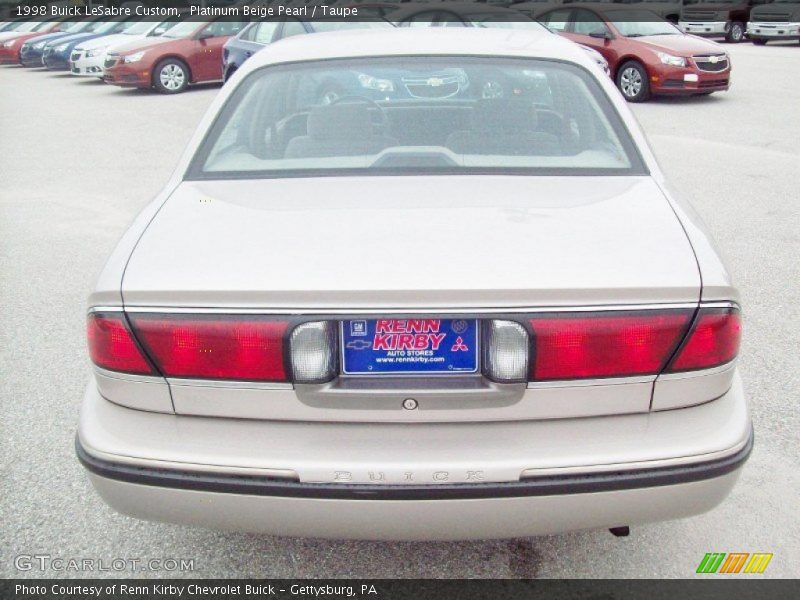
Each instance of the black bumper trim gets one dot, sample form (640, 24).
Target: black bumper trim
(539, 486)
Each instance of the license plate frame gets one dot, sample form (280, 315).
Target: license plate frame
(374, 347)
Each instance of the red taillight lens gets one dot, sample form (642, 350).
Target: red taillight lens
(111, 345)
(214, 348)
(713, 341)
(590, 345)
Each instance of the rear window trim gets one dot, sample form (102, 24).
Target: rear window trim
(195, 172)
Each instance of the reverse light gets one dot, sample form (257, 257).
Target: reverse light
(669, 59)
(214, 347)
(713, 340)
(595, 345)
(506, 351)
(112, 346)
(313, 352)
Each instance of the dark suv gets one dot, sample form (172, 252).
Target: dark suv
(718, 18)
(777, 21)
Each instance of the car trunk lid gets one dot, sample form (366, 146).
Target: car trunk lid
(434, 243)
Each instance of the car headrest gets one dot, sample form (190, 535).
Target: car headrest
(340, 122)
(506, 115)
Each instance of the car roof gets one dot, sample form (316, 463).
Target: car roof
(429, 41)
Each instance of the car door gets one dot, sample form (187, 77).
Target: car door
(205, 54)
(589, 28)
(254, 39)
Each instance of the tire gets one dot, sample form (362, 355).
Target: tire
(758, 42)
(735, 33)
(171, 76)
(228, 74)
(632, 82)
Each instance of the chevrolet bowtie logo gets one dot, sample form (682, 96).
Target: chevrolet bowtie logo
(358, 344)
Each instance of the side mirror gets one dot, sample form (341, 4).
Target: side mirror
(602, 35)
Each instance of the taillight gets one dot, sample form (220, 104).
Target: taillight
(246, 348)
(595, 345)
(713, 341)
(112, 346)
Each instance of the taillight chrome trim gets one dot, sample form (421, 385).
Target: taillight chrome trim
(557, 383)
(231, 384)
(133, 377)
(318, 314)
(723, 368)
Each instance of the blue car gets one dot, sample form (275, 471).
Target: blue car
(257, 35)
(30, 54)
(56, 53)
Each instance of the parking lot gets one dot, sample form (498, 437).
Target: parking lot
(81, 158)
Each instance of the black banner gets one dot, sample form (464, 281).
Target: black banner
(363, 589)
(447, 13)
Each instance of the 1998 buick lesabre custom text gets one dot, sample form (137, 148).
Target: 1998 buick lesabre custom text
(455, 300)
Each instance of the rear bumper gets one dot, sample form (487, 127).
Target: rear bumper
(773, 31)
(313, 479)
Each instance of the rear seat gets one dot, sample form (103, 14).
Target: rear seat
(505, 126)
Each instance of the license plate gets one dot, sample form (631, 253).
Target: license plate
(409, 346)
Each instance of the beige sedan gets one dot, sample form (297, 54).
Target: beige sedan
(376, 302)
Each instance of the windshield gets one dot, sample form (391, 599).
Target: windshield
(106, 27)
(79, 26)
(323, 26)
(639, 23)
(45, 25)
(25, 27)
(505, 22)
(182, 30)
(425, 114)
(139, 28)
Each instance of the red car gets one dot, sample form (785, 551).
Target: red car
(189, 53)
(11, 42)
(647, 55)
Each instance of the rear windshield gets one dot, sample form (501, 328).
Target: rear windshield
(417, 115)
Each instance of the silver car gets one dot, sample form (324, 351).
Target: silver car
(412, 310)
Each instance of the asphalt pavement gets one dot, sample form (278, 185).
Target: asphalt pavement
(79, 159)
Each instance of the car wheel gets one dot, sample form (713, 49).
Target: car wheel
(735, 33)
(171, 76)
(632, 82)
(760, 42)
(228, 74)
